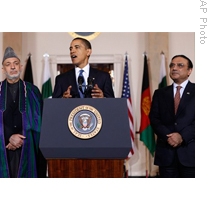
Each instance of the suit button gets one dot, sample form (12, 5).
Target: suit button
(175, 123)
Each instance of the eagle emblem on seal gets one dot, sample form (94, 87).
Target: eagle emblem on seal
(85, 121)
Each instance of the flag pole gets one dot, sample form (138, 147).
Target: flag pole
(126, 168)
(126, 54)
(145, 53)
(147, 163)
(46, 55)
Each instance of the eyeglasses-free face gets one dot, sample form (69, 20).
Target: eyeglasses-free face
(179, 70)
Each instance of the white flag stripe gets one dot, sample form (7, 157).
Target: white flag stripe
(46, 75)
(162, 68)
(46, 85)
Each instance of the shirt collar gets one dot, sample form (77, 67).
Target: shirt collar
(182, 84)
(86, 69)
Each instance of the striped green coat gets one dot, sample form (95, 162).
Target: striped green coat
(30, 106)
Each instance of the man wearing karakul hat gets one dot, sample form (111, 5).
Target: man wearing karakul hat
(20, 121)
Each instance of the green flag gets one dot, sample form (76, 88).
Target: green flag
(146, 131)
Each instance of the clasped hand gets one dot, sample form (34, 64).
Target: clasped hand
(174, 139)
(15, 141)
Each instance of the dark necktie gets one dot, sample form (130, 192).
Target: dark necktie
(177, 98)
(83, 84)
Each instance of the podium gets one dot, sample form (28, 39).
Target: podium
(99, 154)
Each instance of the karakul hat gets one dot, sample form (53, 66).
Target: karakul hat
(9, 53)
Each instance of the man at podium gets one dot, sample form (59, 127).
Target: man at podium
(83, 81)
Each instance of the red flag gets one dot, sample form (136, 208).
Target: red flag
(126, 94)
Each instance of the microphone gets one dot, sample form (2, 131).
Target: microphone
(88, 91)
(80, 82)
(90, 82)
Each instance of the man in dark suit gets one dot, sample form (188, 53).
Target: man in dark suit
(97, 84)
(175, 130)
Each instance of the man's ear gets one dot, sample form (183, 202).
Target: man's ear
(89, 51)
(189, 71)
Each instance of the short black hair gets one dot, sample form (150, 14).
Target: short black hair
(85, 42)
(190, 64)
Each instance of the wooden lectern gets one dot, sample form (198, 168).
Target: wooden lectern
(101, 156)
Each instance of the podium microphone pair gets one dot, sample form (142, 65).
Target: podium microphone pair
(88, 88)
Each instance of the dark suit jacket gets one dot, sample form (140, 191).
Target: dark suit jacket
(102, 79)
(164, 121)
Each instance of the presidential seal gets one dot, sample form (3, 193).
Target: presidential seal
(86, 35)
(84, 122)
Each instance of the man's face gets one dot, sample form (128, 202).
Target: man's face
(179, 70)
(79, 53)
(12, 69)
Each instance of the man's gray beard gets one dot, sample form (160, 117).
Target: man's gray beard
(13, 77)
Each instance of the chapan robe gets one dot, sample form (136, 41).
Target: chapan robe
(30, 107)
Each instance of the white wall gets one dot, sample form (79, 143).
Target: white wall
(113, 43)
(183, 43)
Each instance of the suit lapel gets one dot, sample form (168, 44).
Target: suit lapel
(188, 93)
(73, 81)
(169, 99)
(92, 73)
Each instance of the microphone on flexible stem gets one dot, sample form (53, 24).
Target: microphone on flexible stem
(80, 82)
(90, 82)
(88, 91)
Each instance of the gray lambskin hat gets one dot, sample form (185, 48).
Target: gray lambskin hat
(9, 53)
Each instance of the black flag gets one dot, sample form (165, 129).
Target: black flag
(28, 77)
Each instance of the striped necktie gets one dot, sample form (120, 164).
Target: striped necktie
(177, 98)
(81, 88)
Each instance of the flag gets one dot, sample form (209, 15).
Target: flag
(126, 94)
(46, 85)
(162, 80)
(146, 131)
(28, 75)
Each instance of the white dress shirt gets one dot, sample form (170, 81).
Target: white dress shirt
(182, 89)
(85, 73)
